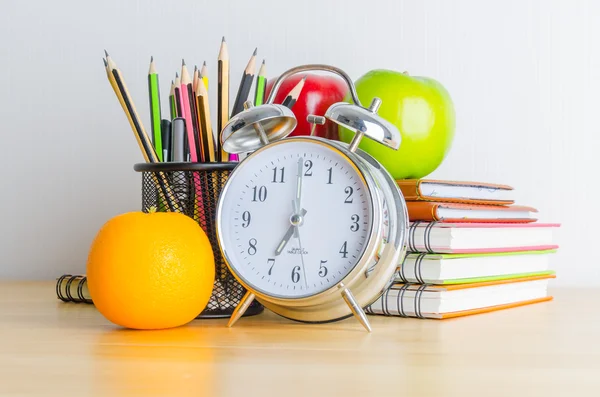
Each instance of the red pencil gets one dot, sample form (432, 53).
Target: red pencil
(186, 89)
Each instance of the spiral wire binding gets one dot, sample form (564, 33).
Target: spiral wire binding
(401, 270)
(412, 240)
(67, 296)
(418, 267)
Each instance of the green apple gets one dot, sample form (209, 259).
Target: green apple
(423, 112)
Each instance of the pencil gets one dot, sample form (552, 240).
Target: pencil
(261, 84)
(204, 75)
(203, 106)
(195, 79)
(172, 106)
(191, 124)
(154, 95)
(186, 89)
(118, 84)
(177, 96)
(222, 97)
(245, 84)
(292, 96)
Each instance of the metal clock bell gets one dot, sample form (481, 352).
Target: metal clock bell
(313, 228)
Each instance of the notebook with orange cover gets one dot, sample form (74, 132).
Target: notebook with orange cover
(447, 301)
(454, 212)
(455, 191)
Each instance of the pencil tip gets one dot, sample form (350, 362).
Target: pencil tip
(105, 63)
(263, 61)
(223, 40)
(195, 68)
(106, 53)
(182, 62)
(255, 51)
(151, 58)
(176, 74)
(304, 78)
(204, 64)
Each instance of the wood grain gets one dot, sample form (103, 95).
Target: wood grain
(52, 348)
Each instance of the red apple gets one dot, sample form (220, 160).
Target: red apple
(319, 92)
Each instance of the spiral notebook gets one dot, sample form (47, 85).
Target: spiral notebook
(467, 268)
(442, 237)
(73, 288)
(442, 302)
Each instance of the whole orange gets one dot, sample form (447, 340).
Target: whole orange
(150, 270)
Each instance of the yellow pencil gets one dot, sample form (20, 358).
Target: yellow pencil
(145, 143)
(204, 75)
(208, 141)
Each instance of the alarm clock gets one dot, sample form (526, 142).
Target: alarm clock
(313, 228)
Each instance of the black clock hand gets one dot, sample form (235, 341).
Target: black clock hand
(298, 200)
(289, 233)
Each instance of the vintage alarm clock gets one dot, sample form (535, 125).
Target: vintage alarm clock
(313, 228)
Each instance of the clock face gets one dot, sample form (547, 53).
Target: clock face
(295, 218)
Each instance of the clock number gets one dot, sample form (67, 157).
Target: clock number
(246, 218)
(344, 250)
(309, 164)
(355, 218)
(260, 193)
(330, 170)
(252, 246)
(296, 274)
(322, 269)
(272, 262)
(348, 190)
(275, 173)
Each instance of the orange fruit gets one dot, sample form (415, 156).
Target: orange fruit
(150, 270)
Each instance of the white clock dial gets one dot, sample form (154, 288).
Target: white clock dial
(295, 218)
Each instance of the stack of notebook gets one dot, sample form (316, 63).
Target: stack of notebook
(470, 250)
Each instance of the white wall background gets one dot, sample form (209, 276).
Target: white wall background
(524, 76)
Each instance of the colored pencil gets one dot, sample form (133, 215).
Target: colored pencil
(118, 84)
(292, 96)
(204, 75)
(172, 105)
(222, 97)
(245, 84)
(177, 95)
(186, 90)
(203, 106)
(154, 96)
(195, 78)
(192, 128)
(261, 85)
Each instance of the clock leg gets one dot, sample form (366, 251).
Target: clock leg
(241, 308)
(356, 309)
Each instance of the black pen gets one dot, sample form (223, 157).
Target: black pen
(165, 132)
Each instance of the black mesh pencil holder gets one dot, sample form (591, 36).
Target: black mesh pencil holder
(193, 189)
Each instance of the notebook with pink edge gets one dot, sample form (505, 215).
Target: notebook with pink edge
(439, 237)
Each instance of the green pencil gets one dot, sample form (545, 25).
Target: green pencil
(154, 95)
(172, 106)
(261, 84)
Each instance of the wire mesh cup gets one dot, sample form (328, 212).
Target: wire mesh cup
(193, 189)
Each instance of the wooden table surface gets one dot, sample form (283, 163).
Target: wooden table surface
(52, 348)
